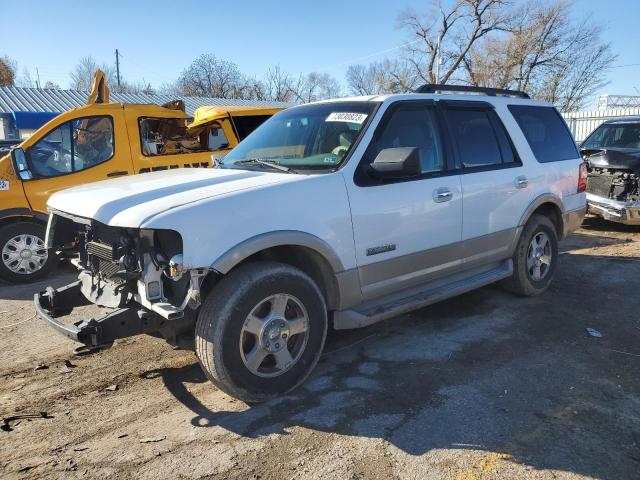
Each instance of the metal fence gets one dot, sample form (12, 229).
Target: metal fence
(582, 124)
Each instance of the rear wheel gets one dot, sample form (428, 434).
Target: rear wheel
(261, 330)
(535, 258)
(24, 254)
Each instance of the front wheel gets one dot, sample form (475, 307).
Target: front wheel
(535, 258)
(261, 330)
(24, 254)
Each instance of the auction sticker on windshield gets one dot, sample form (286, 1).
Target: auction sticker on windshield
(347, 117)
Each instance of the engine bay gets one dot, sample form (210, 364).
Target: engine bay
(621, 185)
(113, 260)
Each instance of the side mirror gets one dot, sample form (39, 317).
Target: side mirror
(20, 164)
(402, 162)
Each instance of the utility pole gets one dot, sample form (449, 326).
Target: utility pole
(438, 61)
(38, 78)
(118, 67)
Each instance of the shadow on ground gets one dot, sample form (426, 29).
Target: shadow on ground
(483, 371)
(598, 224)
(64, 275)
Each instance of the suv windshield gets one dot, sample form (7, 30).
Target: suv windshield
(614, 136)
(307, 137)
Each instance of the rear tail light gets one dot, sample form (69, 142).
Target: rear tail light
(582, 178)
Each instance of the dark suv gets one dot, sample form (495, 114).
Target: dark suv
(612, 153)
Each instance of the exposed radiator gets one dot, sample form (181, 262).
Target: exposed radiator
(102, 250)
(599, 185)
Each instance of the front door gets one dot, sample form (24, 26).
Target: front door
(78, 151)
(406, 231)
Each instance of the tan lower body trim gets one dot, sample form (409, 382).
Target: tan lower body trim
(388, 276)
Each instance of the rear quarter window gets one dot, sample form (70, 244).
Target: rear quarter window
(546, 132)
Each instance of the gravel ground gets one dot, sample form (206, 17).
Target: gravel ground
(484, 386)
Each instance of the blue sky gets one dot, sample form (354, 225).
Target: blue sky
(159, 39)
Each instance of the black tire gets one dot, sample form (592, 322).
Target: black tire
(13, 230)
(522, 281)
(221, 321)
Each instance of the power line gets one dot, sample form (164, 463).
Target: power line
(364, 57)
(628, 65)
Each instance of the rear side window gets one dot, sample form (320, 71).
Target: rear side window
(479, 138)
(546, 132)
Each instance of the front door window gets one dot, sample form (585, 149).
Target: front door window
(73, 146)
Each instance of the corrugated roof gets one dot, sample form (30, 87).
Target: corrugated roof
(17, 99)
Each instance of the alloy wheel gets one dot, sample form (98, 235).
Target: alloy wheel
(274, 335)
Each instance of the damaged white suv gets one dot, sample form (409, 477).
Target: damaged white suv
(338, 213)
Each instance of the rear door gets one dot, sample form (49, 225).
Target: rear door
(495, 186)
(77, 151)
(407, 231)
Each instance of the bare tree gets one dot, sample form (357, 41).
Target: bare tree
(49, 85)
(7, 72)
(210, 76)
(546, 53)
(539, 47)
(445, 35)
(24, 80)
(170, 88)
(255, 89)
(82, 74)
(386, 76)
(278, 85)
(314, 86)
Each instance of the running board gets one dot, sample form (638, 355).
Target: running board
(405, 301)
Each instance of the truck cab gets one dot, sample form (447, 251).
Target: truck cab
(98, 141)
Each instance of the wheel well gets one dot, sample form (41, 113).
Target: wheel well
(553, 213)
(17, 219)
(309, 261)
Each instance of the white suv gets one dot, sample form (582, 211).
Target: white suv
(341, 213)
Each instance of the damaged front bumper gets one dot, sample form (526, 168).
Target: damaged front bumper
(614, 210)
(102, 331)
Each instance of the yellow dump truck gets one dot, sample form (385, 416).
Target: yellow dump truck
(98, 141)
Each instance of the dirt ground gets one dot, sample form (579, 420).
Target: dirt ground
(483, 386)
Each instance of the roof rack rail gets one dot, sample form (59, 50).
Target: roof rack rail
(492, 92)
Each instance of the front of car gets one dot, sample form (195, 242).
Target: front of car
(127, 264)
(612, 153)
(146, 244)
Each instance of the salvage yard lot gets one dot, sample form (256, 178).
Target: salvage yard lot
(486, 385)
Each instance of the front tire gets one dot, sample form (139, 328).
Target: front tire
(535, 258)
(261, 330)
(23, 254)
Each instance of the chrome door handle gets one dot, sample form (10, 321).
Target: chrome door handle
(521, 182)
(442, 194)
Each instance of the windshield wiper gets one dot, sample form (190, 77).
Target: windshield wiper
(267, 163)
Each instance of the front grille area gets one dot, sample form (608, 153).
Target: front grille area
(103, 259)
(101, 250)
(599, 184)
(107, 268)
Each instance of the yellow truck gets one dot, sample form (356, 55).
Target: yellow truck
(98, 141)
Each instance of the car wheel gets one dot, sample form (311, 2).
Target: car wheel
(24, 254)
(261, 330)
(535, 258)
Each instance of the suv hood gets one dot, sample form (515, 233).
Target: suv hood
(616, 158)
(132, 201)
